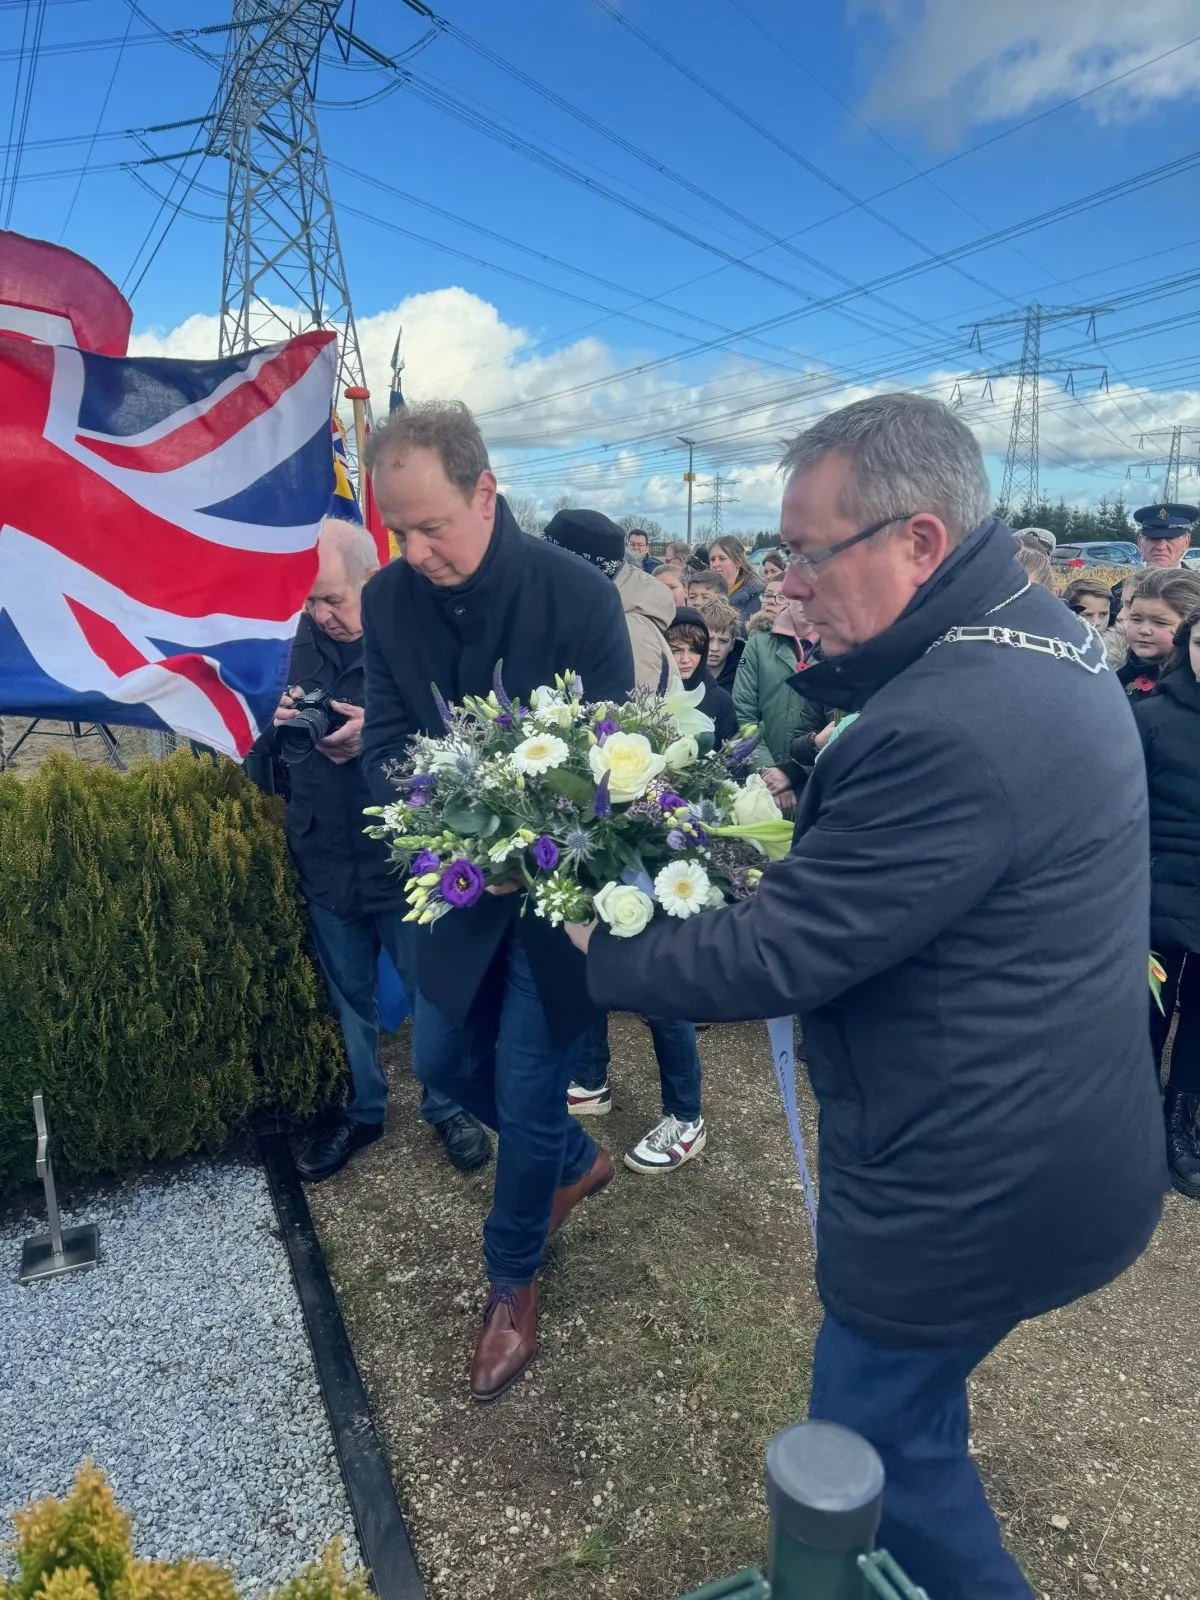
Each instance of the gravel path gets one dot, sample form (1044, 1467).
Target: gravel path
(181, 1366)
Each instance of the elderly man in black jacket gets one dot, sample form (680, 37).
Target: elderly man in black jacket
(962, 924)
(355, 903)
(502, 1001)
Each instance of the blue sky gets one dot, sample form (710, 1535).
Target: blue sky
(824, 106)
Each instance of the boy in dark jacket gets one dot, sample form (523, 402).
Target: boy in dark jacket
(688, 639)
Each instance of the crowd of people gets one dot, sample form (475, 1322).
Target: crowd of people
(963, 924)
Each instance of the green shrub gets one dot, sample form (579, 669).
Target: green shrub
(80, 1549)
(155, 982)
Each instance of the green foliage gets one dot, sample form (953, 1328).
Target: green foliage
(1072, 524)
(80, 1549)
(154, 977)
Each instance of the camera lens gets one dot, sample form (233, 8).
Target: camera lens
(298, 737)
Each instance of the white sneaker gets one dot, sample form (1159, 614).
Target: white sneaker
(668, 1146)
(583, 1102)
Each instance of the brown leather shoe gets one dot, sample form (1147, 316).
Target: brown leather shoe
(507, 1342)
(568, 1197)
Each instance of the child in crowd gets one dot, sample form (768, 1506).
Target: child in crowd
(725, 642)
(688, 639)
(704, 586)
(1169, 723)
(1161, 599)
(673, 578)
(1092, 600)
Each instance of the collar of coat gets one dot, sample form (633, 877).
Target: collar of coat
(979, 574)
(1181, 687)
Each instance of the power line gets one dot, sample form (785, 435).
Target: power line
(120, 56)
(22, 96)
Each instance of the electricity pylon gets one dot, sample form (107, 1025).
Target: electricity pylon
(283, 258)
(1021, 484)
(1175, 456)
(720, 498)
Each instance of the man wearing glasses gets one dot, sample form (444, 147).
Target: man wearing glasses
(991, 1138)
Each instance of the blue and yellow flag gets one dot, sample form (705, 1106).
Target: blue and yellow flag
(344, 503)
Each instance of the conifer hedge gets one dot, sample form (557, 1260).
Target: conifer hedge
(155, 982)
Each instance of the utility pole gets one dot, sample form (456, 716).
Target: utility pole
(720, 499)
(1021, 484)
(1174, 458)
(282, 252)
(689, 478)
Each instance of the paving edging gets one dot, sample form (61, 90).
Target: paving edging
(382, 1534)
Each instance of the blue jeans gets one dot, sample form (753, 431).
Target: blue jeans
(678, 1064)
(503, 1067)
(911, 1403)
(348, 949)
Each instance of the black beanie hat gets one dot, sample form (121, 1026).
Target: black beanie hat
(589, 534)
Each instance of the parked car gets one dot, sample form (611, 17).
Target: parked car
(1191, 558)
(1098, 553)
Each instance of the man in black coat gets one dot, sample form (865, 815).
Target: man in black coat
(502, 999)
(962, 924)
(355, 902)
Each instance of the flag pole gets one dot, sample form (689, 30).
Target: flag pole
(358, 397)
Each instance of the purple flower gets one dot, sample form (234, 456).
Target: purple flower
(424, 861)
(498, 687)
(604, 727)
(671, 802)
(545, 853)
(699, 834)
(676, 840)
(419, 780)
(418, 797)
(504, 720)
(462, 883)
(602, 805)
(443, 710)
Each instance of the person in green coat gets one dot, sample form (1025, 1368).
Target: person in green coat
(788, 724)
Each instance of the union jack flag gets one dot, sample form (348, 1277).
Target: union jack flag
(158, 528)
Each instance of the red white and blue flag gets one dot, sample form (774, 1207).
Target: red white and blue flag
(158, 529)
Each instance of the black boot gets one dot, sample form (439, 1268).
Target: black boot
(465, 1141)
(329, 1151)
(1183, 1141)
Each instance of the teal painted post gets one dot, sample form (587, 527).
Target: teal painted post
(824, 1495)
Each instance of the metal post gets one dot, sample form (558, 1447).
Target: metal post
(63, 1249)
(691, 480)
(824, 1494)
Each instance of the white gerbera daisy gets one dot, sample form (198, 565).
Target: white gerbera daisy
(539, 753)
(682, 888)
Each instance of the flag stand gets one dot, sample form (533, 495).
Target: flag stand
(75, 732)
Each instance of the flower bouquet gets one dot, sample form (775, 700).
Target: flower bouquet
(626, 808)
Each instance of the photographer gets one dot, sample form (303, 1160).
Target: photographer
(354, 899)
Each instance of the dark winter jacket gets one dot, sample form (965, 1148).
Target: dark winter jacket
(746, 599)
(341, 869)
(728, 673)
(1139, 678)
(716, 704)
(962, 924)
(1169, 723)
(542, 611)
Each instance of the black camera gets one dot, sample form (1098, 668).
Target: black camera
(315, 717)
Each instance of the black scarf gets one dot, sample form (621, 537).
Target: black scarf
(979, 574)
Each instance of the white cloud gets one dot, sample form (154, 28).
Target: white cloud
(615, 448)
(951, 64)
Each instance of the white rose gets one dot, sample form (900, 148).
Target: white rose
(681, 753)
(754, 802)
(624, 909)
(682, 706)
(630, 762)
